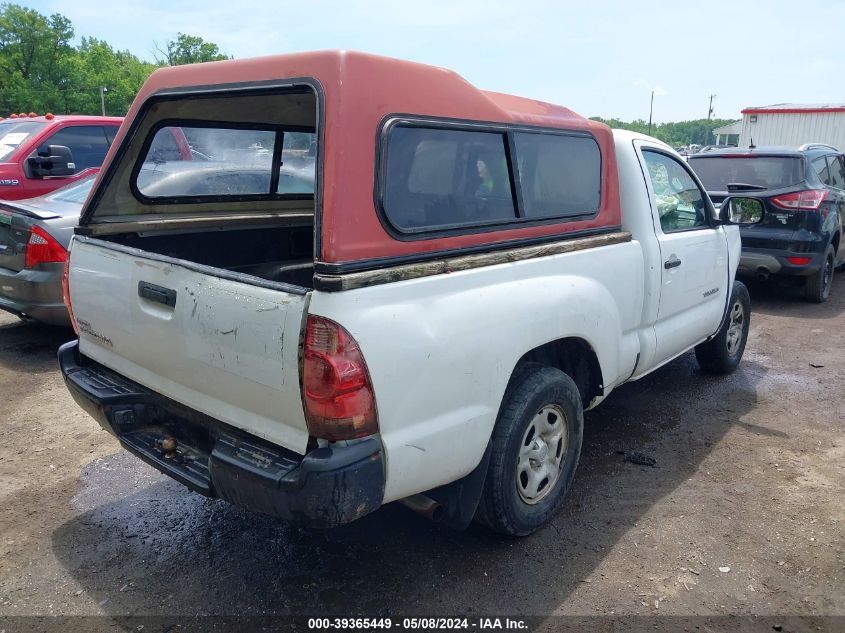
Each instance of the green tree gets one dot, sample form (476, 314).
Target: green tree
(190, 49)
(41, 70)
(681, 133)
(35, 52)
(97, 65)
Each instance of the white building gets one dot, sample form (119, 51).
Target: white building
(794, 124)
(728, 134)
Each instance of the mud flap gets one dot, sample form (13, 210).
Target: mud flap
(460, 498)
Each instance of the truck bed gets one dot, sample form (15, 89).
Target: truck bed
(282, 254)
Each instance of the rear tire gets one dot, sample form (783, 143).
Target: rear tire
(535, 448)
(817, 288)
(722, 353)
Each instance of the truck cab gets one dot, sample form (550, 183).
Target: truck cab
(28, 167)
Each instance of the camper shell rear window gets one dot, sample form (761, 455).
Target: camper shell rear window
(436, 176)
(215, 153)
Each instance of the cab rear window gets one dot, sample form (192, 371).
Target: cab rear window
(441, 178)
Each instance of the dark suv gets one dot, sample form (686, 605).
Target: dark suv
(804, 194)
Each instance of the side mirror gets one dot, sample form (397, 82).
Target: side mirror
(741, 211)
(51, 160)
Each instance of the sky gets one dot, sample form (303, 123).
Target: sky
(599, 58)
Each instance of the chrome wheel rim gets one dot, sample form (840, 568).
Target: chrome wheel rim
(541, 454)
(735, 327)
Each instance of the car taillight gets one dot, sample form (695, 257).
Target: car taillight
(66, 295)
(338, 394)
(799, 261)
(43, 248)
(809, 200)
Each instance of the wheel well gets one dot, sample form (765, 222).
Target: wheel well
(835, 242)
(575, 358)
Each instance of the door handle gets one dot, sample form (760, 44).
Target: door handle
(672, 262)
(159, 294)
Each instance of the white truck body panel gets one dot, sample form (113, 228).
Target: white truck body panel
(227, 349)
(441, 367)
(440, 349)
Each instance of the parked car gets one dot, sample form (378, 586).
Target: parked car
(428, 325)
(39, 154)
(34, 233)
(34, 236)
(804, 193)
(713, 148)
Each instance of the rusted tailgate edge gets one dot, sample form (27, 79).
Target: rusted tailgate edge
(350, 281)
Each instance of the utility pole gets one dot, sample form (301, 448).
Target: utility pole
(650, 112)
(103, 91)
(709, 114)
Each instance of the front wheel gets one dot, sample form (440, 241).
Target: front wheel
(722, 353)
(817, 288)
(536, 445)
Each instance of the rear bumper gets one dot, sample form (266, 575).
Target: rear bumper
(756, 262)
(35, 293)
(325, 488)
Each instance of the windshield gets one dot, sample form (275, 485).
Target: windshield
(768, 172)
(77, 192)
(14, 133)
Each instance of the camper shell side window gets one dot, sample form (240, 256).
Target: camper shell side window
(436, 177)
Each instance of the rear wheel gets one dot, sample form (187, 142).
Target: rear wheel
(817, 288)
(536, 445)
(722, 353)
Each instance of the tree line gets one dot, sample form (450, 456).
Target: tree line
(41, 70)
(698, 131)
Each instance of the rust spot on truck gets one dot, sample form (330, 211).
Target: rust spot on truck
(350, 281)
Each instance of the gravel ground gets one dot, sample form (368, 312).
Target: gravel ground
(742, 515)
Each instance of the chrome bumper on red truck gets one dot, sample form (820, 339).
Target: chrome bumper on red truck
(326, 487)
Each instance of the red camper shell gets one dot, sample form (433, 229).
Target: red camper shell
(362, 100)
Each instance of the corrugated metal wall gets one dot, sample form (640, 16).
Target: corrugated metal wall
(794, 129)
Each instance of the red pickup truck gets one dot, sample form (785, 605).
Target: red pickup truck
(41, 153)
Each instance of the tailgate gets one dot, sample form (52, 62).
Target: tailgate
(223, 347)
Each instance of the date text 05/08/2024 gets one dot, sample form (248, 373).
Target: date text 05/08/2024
(481, 624)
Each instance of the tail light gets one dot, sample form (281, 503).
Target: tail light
(43, 248)
(66, 295)
(339, 400)
(809, 200)
(799, 261)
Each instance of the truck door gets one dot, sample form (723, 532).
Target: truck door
(694, 265)
(87, 143)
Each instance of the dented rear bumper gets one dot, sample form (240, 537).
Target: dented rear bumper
(325, 488)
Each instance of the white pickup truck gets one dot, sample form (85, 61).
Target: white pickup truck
(373, 282)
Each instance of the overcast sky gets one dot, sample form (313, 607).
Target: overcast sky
(596, 57)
